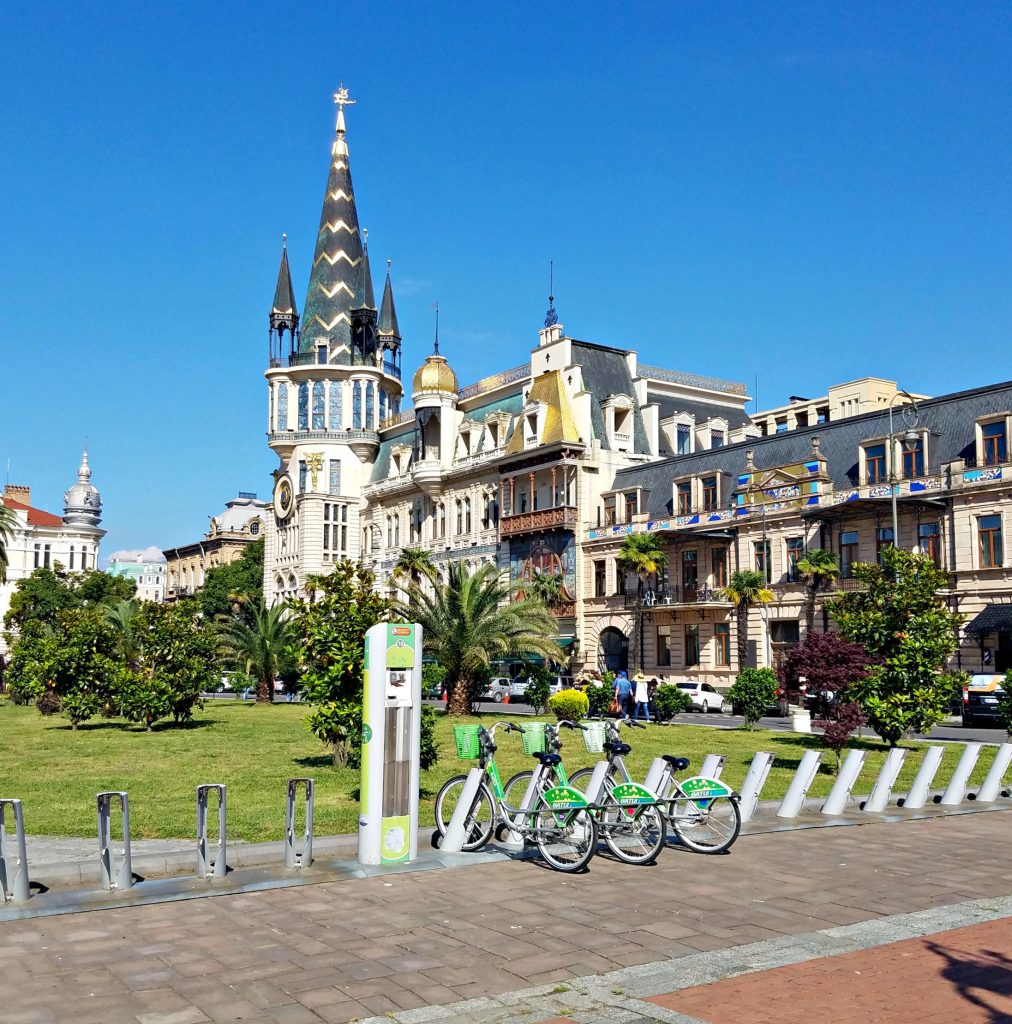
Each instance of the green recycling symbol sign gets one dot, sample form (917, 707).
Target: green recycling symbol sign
(366, 732)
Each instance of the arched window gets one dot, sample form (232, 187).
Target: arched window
(336, 412)
(356, 405)
(318, 405)
(254, 528)
(303, 406)
(370, 405)
(467, 515)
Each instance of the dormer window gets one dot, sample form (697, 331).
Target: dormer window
(683, 438)
(493, 435)
(683, 498)
(631, 506)
(531, 430)
(875, 463)
(913, 459)
(709, 494)
(623, 429)
(718, 438)
(994, 443)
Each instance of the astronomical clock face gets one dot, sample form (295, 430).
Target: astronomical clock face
(283, 497)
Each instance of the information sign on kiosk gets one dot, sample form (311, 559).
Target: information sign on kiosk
(391, 735)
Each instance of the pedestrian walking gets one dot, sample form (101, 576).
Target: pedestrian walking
(624, 694)
(641, 696)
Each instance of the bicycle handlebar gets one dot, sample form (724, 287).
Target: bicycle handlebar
(571, 725)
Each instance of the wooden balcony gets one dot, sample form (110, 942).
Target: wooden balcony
(562, 518)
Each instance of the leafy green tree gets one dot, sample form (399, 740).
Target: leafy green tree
(175, 664)
(122, 617)
(752, 693)
(470, 623)
(262, 647)
(7, 523)
(329, 629)
(817, 570)
(237, 587)
(547, 587)
(745, 588)
(902, 622)
(414, 564)
(40, 596)
(643, 554)
(539, 687)
(1005, 704)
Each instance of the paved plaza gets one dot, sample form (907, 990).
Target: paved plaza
(517, 942)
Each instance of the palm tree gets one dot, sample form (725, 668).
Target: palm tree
(7, 524)
(414, 563)
(746, 588)
(260, 647)
(643, 554)
(547, 587)
(817, 569)
(122, 617)
(469, 622)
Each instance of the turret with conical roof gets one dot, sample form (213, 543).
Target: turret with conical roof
(333, 281)
(284, 316)
(388, 329)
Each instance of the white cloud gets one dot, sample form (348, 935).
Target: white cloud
(151, 554)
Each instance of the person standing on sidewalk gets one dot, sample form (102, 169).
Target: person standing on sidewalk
(624, 694)
(642, 695)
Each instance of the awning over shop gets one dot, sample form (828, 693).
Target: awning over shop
(995, 618)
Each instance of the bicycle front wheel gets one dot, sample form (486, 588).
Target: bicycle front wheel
(636, 838)
(478, 826)
(581, 779)
(566, 839)
(706, 826)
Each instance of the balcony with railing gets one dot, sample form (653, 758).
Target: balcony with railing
(562, 517)
(674, 594)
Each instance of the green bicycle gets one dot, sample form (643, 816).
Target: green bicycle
(557, 818)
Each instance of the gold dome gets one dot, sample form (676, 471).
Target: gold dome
(435, 375)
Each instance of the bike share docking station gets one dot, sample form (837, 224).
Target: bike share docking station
(391, 742)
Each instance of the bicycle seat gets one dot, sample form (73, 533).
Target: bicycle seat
(548, 760)
(678, 763)
(617, 747)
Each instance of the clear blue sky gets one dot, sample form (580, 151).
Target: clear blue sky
(807, 192)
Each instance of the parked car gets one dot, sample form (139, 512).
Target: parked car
(497, 690)
(980, 700)
(518, 688)
(705, 697)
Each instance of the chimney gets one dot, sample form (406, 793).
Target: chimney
(18, 492)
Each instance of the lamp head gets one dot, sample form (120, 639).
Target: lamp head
(911, 440)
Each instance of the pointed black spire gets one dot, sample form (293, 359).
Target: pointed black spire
(283, 315)
(435, 343)
(365, 298)
(551, 317)
(388, 312)
(326, 318)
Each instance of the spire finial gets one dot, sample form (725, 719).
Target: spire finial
(388, 265)
(284, 241)
(435, 344)
(342, 101)
(551, 317)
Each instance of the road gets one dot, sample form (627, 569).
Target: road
(947, 732)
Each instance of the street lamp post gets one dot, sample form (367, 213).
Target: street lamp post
(911, 418)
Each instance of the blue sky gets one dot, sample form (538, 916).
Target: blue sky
(803, 192)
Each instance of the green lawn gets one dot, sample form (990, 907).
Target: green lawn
(254, 750)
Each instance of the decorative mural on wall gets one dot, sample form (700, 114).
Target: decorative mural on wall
(550, 553)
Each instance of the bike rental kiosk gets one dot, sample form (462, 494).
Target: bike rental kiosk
(391, 734)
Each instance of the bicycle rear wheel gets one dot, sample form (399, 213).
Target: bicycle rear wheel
(478, 827)
(566, 839)
(635, 838)
(706, 826)
(581, 778)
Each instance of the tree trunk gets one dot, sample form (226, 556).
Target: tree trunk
(265, 691)
(458, 704)
(741, 614)
(810, 609)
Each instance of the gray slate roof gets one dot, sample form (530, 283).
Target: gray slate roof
(948, 418)
(668, 406)
(605, 373)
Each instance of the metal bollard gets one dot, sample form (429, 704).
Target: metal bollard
(758, 771)
(991, 786)
(918, 795)
(793, 802)
(656, 772)
(836, 802)
(295, 858)
(453, 840)
(713, 765)
(956, 789)
(879, 797)
(14, 884)
(215, 867)
(114, 876)
(514, 838)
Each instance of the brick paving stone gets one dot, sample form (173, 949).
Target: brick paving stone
(961, 976)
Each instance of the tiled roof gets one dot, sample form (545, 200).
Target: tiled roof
(606, 373)
(36, 516)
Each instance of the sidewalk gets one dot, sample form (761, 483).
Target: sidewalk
(413, 946)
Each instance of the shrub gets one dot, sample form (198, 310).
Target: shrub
(538, 689)
(670, 701)
(570, 704)
(1005, 704)
(841, 721)
(600, 698)
(753, 692)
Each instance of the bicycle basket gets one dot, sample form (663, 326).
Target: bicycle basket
(593, 736)
(533, 737)
(466, 738)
